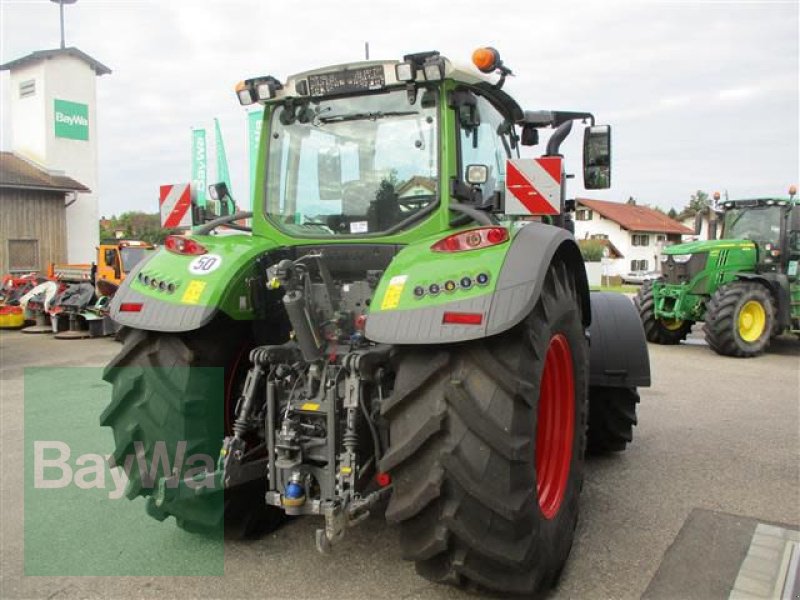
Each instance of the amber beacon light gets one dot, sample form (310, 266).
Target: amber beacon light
(486, 59)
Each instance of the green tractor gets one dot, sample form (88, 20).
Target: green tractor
(744, 287)
(407, 326)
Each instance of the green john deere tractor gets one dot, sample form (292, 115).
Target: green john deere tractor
(745, 286)
(408, 321)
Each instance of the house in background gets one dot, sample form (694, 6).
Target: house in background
(637, 233)
(34, 204)
(689, 221)
(416, 186)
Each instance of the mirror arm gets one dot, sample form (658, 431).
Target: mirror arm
(561, 116)
(226, 220)
(464, 191)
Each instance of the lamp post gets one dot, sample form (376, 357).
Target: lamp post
(61, 4)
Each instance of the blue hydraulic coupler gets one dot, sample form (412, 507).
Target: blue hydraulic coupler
(294, 494)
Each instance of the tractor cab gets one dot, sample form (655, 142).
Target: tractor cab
(768, 223)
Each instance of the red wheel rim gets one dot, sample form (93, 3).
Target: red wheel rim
(554, 426)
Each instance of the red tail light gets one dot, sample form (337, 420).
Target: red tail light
(180, 244)
(383, 479)
(130, 307)
(461, 318)
(472, 239)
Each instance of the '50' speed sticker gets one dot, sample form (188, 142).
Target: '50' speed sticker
(203, 265)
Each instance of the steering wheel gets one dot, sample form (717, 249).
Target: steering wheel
(416, 201)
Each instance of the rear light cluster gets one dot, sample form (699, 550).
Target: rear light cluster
(157, 284)
(180, 244)
(472, 239)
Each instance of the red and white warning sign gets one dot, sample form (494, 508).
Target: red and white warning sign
(533, 186)
(175, 203)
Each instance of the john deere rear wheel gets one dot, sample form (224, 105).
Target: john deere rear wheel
(659, 331)
(487, 445)
(740, 318)
(157, 397)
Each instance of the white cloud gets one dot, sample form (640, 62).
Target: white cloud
(699, 94)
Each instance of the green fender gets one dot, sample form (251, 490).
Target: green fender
(516, 271)
(172, 292)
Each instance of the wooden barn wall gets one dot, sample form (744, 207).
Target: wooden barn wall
(33, 215)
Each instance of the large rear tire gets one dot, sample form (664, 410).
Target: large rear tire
(740, 318)
(157, 397)
(612, 417)
(487, 446)
(659, 331)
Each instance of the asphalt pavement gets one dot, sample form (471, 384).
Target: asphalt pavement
(716, 452)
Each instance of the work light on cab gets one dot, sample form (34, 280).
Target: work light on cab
(259, 89)
(244, 93)
(179, 244)
(472, 239)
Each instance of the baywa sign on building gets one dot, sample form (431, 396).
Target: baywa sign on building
(71, 120)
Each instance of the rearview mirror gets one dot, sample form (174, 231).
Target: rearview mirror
(329, 173)
(597, 157)
(219, 202)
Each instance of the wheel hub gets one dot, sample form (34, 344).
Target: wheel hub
(555, 426)
(672, 324)
(752, 319)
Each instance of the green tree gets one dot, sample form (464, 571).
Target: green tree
(672, 213)
(135, 226)
(698, 201)
(592, 250)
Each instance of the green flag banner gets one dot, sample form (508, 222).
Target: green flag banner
(254, 123)
(222, 159)
(199, 164)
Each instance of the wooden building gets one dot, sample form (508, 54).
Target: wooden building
(33, 205)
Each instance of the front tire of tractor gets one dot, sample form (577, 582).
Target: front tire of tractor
(157, 397)
(740, 318)
(487, 449)
(657, 330)
(612, 417)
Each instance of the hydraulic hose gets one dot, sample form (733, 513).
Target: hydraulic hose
(226, 220)
(559, 135)
(479, 216)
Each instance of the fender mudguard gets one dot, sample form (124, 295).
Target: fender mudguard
(183, 295)
(618, 350)
(516, 291)
(778, 284)
(159, 316)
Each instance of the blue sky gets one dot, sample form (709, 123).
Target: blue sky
(699, 94)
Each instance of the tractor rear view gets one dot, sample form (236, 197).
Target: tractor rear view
(409, 322)
(744, 287)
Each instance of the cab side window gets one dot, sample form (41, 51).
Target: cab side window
(486, 144)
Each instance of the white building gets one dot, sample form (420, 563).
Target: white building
(53, 112)
(689, 221)
(638, 233)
